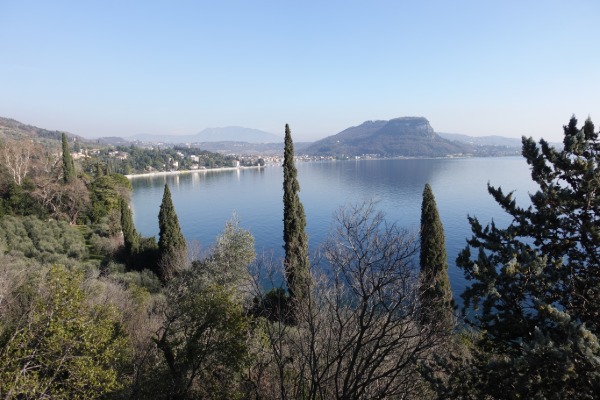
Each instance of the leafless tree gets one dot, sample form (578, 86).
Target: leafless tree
(358, 336)
(16, 158)
(27, 159)
(272, 353)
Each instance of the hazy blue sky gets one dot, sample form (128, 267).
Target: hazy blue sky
(105, 68)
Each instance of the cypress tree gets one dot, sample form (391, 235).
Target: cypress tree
(68, 165)
(294, 222)
(172, 248)
(99, 170)
(435, 293)
(130, 236)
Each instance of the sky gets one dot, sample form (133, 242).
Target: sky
(119, 68)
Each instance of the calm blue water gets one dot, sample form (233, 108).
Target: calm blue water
(204, 201)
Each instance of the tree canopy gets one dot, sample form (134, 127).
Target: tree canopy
(294, 223)
(68, 164)
(536, 283)
(172, 246)
(435, 293)
(66, 349)
(130, 235)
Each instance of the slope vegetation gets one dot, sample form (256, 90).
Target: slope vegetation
(405, 136)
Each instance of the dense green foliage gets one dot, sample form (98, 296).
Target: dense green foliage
(172, 246)
(18, 200)
(46, 242)
(294, 223)
(64, 348)
(130, 235)
(68, 164)
(133, 159)
(89, 309)
(85, 331)
(202, 339)
(436, 296)
(44, 192)
(229, 258)
(106, 192)
(536, 283)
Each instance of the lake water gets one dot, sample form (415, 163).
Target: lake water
(204, 201)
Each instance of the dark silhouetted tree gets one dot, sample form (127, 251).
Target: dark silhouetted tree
(435, 293)
(172, 247)
(294, 222)
(536, 283)
(130, 236)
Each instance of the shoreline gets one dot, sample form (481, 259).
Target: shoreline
(189, 171)
(221, 169)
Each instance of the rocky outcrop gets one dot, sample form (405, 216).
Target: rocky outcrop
(405, 136)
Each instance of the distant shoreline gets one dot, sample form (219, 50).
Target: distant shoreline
(188, 171)
(221, 169)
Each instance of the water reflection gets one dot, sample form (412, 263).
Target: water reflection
(204, 201)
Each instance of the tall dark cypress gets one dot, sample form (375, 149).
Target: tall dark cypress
(68, 165)
(172, 247)
(294, 223)
(130, 236)
(435, 293)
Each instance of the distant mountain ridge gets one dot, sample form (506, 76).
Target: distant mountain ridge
(492, 140)
(225, 134)
(404, 136)
(13, 129)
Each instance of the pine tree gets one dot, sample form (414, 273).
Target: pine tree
(538, 280)
(172, 246)
(294, 223)
(435, 293)
(130, 236)
(68, 165)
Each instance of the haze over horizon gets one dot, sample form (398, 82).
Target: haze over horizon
(478, 68)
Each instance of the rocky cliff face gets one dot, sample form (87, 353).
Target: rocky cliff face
(405, 136)
(408, 126)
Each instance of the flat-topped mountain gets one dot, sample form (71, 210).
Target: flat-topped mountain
(405, 136)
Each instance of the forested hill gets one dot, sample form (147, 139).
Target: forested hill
(12, 129)
(405, 136)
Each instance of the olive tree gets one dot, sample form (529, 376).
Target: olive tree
(63, 347)
(203, 336)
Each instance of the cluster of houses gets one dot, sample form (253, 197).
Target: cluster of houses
(177, 162)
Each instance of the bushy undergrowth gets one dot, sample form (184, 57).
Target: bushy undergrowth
(49, 242)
